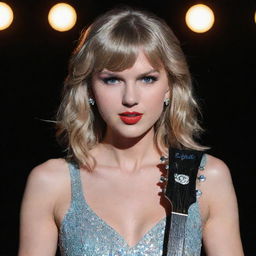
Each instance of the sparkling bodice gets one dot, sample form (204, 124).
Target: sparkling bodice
(84, 233)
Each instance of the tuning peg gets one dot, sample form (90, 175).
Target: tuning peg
(163, 159)
(163, 179)
(201, 178)
(198, 192)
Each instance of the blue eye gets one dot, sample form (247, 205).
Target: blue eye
(110, 80)
(149, 79)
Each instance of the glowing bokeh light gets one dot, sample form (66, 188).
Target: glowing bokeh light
(199, 18)
(6, 16)
(62, 17)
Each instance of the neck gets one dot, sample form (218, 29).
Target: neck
(130, 154)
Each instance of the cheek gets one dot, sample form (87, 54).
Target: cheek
(158, 105)
(106, 103)
(156, 99)
(155, 103)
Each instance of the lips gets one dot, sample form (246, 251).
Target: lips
(130, 117)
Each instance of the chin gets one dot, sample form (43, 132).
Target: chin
(132, 132)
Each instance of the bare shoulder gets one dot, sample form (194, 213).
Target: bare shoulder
(221, 230)
(219, 181)
(217, 170)
(38, 229)
(49, 170)
(50, 175)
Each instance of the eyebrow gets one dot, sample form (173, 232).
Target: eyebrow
(141, 75)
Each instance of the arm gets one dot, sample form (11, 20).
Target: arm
(221, 231)
(38, 231)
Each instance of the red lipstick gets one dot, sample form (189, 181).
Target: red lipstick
(130, 117)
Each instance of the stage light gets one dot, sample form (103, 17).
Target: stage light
(199, 18)
(6, 16)
(62, 17)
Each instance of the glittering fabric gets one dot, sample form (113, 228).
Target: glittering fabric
(83, 233)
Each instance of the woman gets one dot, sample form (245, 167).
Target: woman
(127, 99)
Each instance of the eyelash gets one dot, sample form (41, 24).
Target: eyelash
(152, 78)
(108, 80)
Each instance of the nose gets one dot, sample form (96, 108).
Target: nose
(130, 95)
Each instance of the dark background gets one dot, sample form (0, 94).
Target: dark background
(33, 65)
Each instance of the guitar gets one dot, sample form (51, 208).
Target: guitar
(180, 190)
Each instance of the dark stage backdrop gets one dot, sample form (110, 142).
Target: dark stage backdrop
(33, 65)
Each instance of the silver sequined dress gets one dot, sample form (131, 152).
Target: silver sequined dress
(83, 233)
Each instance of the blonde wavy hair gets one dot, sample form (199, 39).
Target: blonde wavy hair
(112, 41)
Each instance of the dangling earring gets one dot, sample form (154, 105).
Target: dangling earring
(91, 101)
(166, 102)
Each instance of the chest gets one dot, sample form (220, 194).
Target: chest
(131, 203)
(84, 232)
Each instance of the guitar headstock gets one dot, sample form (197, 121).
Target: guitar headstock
(180, 181)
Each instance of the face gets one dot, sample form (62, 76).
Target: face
(131, 101)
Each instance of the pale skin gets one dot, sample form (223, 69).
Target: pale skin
(122, 189)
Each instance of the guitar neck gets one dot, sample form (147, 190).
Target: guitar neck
(176, 238)
(180, 191)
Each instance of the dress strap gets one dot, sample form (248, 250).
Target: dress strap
(203, 162)
(76, 186)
